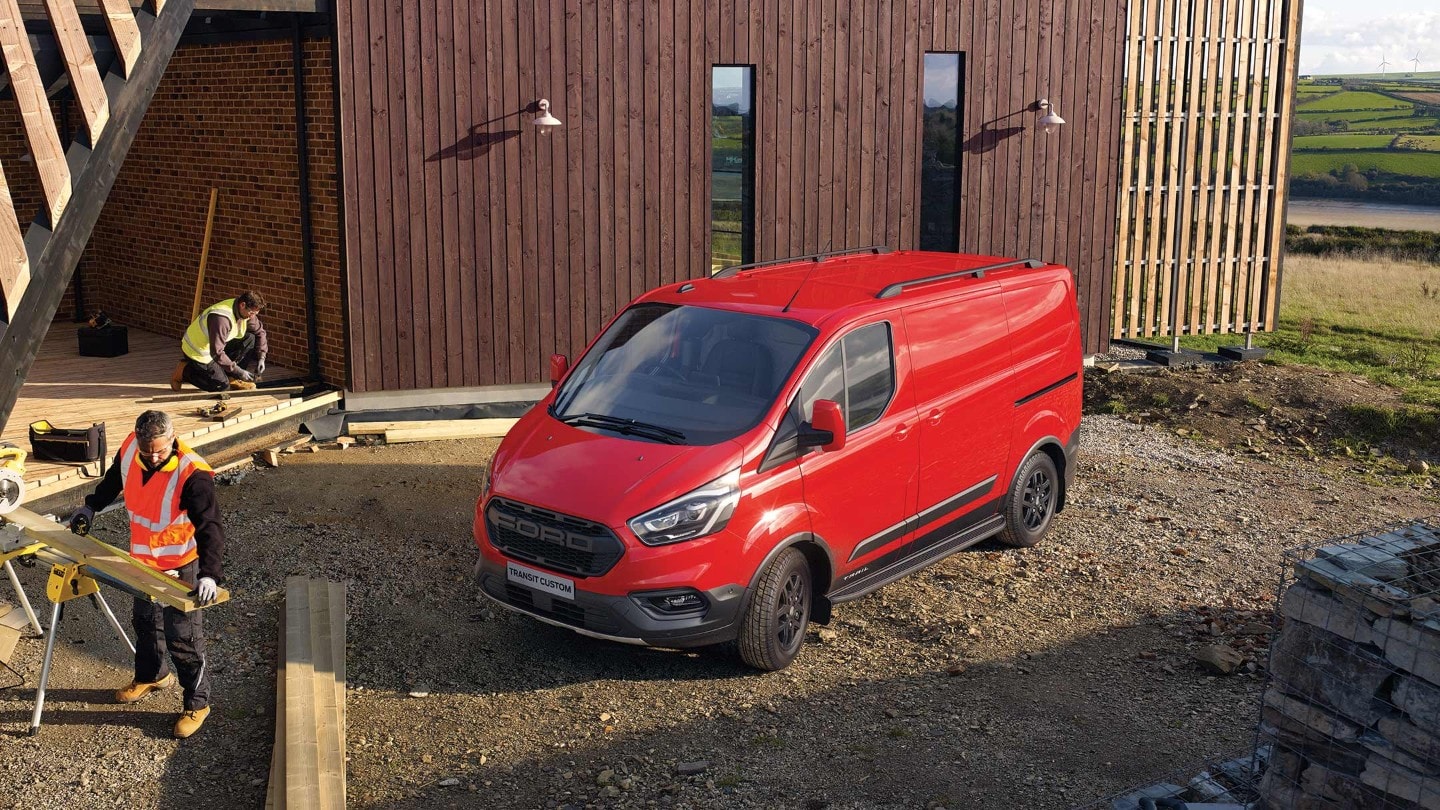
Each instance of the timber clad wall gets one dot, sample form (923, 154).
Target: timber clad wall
(475, 247)
(224, 115)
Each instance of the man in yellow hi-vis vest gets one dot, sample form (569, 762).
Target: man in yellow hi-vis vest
(174, 528)
(225, 347)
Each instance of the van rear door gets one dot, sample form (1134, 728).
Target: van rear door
(960, 360)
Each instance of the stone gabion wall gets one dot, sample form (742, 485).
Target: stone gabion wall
(1353, 705)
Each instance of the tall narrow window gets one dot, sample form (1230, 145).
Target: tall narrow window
(732, 166)
(940, 153)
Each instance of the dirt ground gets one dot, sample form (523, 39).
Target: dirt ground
(998, 678)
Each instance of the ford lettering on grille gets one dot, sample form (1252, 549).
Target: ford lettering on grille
(549, 534)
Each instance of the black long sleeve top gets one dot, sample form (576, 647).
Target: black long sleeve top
(197, 498)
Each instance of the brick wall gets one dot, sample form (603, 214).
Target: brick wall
(224, 116)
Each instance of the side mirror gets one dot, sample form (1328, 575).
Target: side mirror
(827, 427)
(559, 364)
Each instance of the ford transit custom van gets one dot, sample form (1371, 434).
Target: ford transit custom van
(734, 456)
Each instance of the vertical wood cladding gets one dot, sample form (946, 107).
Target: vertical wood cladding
(476, 246)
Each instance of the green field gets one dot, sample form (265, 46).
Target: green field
(1325, 143)
(1429, 143)
(1355, 117)
(1408, 164)
(1353, 100)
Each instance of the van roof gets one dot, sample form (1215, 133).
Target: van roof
(813, 290)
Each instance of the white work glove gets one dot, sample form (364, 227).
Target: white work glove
(242, 374)
(206, 590)
(260, 367)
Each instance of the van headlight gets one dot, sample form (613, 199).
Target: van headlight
(697, 513)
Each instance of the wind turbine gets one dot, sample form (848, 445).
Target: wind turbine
(1383, 64)
(1416, 63)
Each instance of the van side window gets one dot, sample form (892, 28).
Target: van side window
(858, 373)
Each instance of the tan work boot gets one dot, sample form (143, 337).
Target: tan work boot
(241, 385)
(138, 690)
(190, 722)
(177, 377)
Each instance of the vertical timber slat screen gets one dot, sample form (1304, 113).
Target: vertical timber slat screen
(1205, 153)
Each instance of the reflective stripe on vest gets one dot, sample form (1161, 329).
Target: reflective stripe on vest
(161, 534)
(196, 343)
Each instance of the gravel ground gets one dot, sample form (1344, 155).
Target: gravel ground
(998, 678)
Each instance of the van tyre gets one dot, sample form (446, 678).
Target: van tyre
(773, 627)
(1031, 504)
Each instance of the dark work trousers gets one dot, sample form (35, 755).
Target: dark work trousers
(160, 628)
(211, 377)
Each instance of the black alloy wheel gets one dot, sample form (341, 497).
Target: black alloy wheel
(1030, 505)
(773, 627)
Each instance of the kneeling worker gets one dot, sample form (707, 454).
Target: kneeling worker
(225, 347)
(175, 529)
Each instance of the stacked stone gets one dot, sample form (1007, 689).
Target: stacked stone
(1353, 706)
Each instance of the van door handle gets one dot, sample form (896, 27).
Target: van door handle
(901, 432)
(935, 417)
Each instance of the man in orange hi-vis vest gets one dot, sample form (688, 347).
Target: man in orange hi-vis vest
(174, 528)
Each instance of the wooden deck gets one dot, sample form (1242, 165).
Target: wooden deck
(71, 391)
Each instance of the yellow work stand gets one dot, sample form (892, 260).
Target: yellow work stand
(67, 582)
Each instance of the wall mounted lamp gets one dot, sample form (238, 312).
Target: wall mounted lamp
(1050, 121)
(546, 120)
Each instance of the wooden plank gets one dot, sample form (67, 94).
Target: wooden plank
(302, 746)
(686, 63)
(1200, 305)
(402, 436)
(336, 596)
(281, 391)
(1263, 149)
(80, 65)
(1247, 257)
(14, 262)
(1237, 102)
(662, 113)
(120, 20)
(40, 132)
(1283, 100)
(814, 185)
(1218, 224)
(108, 561)
(863, 197)
(327, 713)
(376, 428)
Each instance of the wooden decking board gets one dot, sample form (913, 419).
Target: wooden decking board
(307, 764)
(73, 391)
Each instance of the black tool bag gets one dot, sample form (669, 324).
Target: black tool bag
(73, 445)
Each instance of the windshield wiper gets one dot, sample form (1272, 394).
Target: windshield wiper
(622, 425)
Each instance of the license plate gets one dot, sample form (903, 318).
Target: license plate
(540, 581)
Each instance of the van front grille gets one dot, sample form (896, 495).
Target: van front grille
(552, 540)
(561, 611)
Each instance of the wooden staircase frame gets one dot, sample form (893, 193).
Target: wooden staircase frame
(35, 269)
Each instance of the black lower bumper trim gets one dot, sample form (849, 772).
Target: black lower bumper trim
(620, 618)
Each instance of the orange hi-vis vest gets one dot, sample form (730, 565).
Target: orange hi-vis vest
(161, 535)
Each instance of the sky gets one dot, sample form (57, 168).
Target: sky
(1350, 36)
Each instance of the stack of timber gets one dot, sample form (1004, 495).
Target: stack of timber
(307, 764)
(434, 430)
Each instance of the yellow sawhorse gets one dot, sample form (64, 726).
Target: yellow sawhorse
(67, 582)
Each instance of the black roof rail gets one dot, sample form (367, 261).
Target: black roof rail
(978, 272)
(731, 270)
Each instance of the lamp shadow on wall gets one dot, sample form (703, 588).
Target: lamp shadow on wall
(990, 135)
(478, 142)
(474, 145)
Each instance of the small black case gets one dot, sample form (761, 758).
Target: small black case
(105, 341)
(70, 445)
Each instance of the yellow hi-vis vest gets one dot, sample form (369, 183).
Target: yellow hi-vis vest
(196, 343)
(161, 534)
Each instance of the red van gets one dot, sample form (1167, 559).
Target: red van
(734, 455)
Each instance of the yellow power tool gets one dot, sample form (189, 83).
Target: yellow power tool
(12, 476)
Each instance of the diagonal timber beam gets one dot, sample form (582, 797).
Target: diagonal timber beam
(80, 65)
(35, 113)
(54, 253)
(123, 32)
(14, 265)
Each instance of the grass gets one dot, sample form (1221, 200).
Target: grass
(1430, 143)
(1328, 142)
(1377, 318)
(1356, 117)
(1409, 164)
(1355, 100)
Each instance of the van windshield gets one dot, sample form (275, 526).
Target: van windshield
(682, 374)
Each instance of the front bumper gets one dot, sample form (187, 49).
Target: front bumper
(618, 618)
